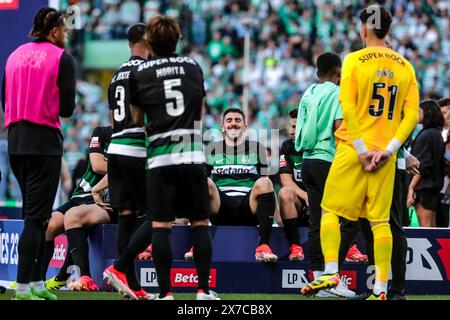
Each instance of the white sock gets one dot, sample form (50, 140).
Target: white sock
(331, 268)
(317, 274)
(379, 287)
(23, 288)
(38, 285)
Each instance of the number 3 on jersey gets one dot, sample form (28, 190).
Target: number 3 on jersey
(377, 96)
(177, 108)
(119, 95)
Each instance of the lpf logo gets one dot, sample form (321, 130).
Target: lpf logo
(9, 4)
(294, 279)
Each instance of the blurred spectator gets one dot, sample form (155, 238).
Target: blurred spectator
(286, 36)
(428, 148)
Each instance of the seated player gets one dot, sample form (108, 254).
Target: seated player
(292, 196)
(81, 197)
(240, 192)
(76, 222)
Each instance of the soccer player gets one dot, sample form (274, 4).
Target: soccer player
(240, 191)
(169, 92)
(38, 88)
(320, 115)
(406, 163)
(379, 98)
(292, 196)
(81, 199)
(126, 153)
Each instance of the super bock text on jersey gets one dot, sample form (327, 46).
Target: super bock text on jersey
(170, 92)
(126, 153)
(127, 138)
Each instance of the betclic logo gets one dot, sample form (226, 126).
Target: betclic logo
(179, 277)
(187, 277)
(9, 4)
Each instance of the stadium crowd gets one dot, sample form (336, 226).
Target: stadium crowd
(287, 63)
(286, 37)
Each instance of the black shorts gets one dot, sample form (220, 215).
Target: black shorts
(113, 216)
(74, 202)
(126, 179)
(428, 200)
(177, 191)
(38, 178)
(234, 211)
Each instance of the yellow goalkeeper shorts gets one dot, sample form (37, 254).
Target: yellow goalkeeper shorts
(352, 193)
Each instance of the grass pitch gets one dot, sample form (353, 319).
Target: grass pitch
(67, 295)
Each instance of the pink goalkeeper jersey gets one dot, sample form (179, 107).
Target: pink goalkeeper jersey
(31, 90)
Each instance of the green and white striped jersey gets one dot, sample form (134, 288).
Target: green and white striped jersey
(236, 169)
(170, 92)
(100, 139)
(127, 139)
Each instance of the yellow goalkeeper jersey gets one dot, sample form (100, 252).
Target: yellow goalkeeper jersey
(379, 97)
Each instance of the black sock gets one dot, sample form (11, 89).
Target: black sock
(291, 230)
(162, 257)
(138, 243)
(264, 213)
(38, 268)
(28, 249)
(202, 243)
(80, 249)
(63, 273)
(126, 226)
(49, 248)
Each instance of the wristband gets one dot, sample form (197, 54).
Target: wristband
(393, 145)
(360, 146)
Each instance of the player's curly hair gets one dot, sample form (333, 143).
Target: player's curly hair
(45, 20)
(163, 34)
(327, 63)
(385, 19)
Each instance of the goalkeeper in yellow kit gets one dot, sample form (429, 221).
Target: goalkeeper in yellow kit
(380, 101)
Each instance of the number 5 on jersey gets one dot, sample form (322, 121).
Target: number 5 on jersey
(177, 108)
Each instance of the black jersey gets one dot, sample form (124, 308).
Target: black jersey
(127, 139)
(291, 161)
(119, 97)
(100, 139)
(170, 92)
(236, 169)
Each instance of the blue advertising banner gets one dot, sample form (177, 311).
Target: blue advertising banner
(234, 267)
